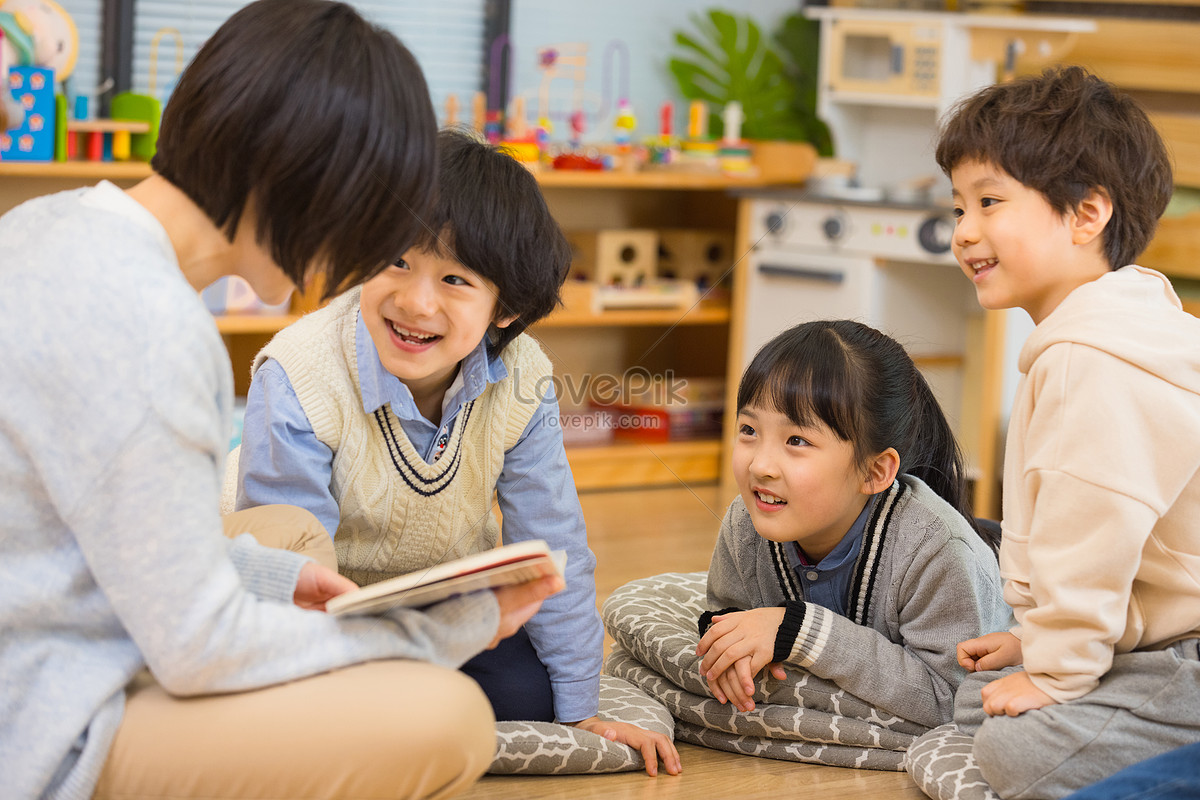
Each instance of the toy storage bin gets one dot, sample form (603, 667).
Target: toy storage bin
(669, 409)
(586, 427)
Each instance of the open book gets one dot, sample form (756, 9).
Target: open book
(512, 563)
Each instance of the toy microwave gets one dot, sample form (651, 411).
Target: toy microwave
(884, 56)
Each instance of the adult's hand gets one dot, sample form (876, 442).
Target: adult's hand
(318, 584)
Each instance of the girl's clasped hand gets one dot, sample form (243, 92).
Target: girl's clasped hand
(735, 649)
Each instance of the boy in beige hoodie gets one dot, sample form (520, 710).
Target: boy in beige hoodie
(1059, 182)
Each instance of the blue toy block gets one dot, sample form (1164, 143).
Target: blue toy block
(33, 88)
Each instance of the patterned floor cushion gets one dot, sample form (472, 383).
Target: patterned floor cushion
(771, 730)
(830, 755)
(801, 718)
(943, 764)
(547, 748)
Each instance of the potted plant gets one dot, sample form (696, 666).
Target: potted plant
(728, 59)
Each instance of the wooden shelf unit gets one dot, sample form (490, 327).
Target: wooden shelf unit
(584, 343)
(692, 342)
(695, 342)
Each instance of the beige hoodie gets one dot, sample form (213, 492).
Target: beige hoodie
(1101, 549)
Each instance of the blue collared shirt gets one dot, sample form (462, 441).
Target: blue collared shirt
(827, 583)
(282, 461)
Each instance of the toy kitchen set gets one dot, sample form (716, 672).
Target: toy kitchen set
(875, 246)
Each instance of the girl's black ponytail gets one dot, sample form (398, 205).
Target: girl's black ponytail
(937, 459)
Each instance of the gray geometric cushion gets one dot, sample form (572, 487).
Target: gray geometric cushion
(548, 748)
(942, 763)
(801, 718)
(771, 730)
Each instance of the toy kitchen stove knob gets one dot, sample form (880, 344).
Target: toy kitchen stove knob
(936, 234)
(834, 227)
(774, 222)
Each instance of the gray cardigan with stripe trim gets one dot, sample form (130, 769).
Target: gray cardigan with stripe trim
(923, 582)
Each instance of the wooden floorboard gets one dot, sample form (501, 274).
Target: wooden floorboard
(708, 775)
(640, 533)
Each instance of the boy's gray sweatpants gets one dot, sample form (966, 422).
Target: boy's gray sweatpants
(1147, 703)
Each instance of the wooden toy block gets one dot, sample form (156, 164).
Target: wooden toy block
(615, 257)
(703, 256)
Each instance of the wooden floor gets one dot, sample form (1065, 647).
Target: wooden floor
(640, 533)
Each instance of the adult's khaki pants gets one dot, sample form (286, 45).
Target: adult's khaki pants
(386, 729)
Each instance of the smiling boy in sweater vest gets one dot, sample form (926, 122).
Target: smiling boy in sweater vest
(396, 412)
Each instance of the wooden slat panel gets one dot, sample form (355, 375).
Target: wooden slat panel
(1058, 4)
(1182, 135)
(1138, 54)
(1175, 249)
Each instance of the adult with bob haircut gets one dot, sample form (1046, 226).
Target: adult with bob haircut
(142, 652)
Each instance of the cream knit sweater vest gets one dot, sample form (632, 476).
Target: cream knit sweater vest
(399, 514)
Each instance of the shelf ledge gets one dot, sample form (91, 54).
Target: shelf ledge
(699, 315)
(623, 465)
(233, 324)
(647, 179)
(87, 170)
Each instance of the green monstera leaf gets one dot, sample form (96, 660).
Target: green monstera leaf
(799, 41)
(727, 58)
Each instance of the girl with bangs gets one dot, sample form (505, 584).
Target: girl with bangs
(851, 551)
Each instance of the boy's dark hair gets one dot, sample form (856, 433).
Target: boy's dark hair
(322, 121)
(489, 215)
(1065, 133)
(863, 386)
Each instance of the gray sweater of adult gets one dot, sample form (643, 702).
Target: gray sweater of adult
(923, 582)
(115, 413)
